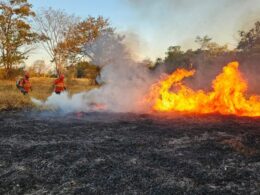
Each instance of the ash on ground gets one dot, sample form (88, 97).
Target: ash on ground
(102, 153)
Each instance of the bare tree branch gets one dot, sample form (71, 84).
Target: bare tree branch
(54, 25)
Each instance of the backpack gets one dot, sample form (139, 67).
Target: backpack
(18, 83)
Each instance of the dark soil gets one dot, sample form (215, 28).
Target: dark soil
(102, 153)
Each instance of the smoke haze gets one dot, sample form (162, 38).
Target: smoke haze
(176, 22)
(124, 81)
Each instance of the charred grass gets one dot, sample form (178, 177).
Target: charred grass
(101, 153)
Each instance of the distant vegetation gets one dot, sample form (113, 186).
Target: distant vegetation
(210, 52)
(68, 38)
(63, 37)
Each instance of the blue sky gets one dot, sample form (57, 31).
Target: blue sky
(113, 9)
(151, 26)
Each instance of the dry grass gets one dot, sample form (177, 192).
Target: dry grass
(12, 98)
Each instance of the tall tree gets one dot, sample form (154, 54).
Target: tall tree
(203, 41)
(16, 34)
(175, 58)
(39, 67)
(250, 40)
(85, 32)
(55, 25)
(102, 51)
(211, 48)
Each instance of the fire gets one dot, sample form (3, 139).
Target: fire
(227, 97)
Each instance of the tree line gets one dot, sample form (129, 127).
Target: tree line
(62, 36)
(210, 52)
(67, 40)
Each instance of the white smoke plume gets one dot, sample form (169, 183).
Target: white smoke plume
(124, 81)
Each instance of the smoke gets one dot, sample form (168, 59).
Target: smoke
(124, 81)
(176, 22)
(135, 45)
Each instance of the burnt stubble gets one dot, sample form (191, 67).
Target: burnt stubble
(106, 153)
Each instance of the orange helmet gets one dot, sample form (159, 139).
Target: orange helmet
(27, 75)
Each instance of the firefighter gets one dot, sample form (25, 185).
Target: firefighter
(24, 84)
(59, 85)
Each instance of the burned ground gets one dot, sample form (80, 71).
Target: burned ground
(102, 153)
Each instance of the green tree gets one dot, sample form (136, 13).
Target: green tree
(83, 69)
(250, 40)
(83, 33)
(203, 41)
(158, 62)
(16, 34)
(176, 58)
(209, 47)
(148, 63)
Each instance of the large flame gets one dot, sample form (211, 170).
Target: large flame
(228, 95)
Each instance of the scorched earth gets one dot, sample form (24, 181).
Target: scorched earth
(104, 153)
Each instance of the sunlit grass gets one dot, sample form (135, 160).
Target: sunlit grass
(42, 88)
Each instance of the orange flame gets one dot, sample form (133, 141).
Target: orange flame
(228, 95)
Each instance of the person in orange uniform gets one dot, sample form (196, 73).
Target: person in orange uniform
(59, 85)
(24, 84)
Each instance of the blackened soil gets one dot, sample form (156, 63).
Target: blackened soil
(102, 153)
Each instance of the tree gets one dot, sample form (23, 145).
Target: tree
(176, 58)
(102, 51)
(158, 62)
(148, 63)
(250, 41)
(39, 67)
(55, 26)
(85, 69)
(85, 32)
(209, 47)
(214, 49)
(16, 34)
(203, 41)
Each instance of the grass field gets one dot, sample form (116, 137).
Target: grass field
(11, 98)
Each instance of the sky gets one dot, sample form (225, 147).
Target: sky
(151, 26)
